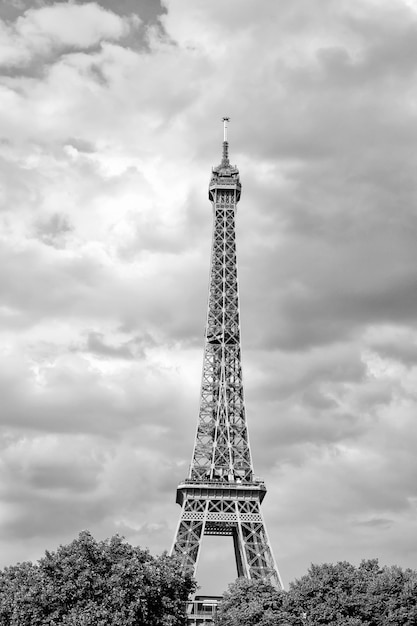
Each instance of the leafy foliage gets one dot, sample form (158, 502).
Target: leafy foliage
(337, 594)
(367, 595)
(255, 603)
(86, 583)
(111, 583)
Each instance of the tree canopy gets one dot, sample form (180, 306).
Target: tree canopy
(337, 594)
(86, 583)
(256, 603)
(367, 595)
(111, 583)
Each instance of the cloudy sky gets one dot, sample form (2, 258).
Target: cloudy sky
(110, 124)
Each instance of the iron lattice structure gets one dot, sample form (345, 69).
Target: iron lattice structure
(221, 495)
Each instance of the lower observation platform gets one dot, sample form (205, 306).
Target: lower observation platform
(230, 490)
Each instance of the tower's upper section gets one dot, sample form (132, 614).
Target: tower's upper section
(225, 176)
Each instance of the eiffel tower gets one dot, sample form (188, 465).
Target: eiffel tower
(221, 496)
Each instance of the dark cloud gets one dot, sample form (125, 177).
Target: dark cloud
(11, 9)
(148, 10)
(53, 230)
(51, 517)
(130, 349)
(59, 476)
(402, 347)
(96, 345)
(81, 145)
(320, 285)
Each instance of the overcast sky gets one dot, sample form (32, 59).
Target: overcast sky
(110, 124)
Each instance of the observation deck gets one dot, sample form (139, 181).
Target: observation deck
(224, 489)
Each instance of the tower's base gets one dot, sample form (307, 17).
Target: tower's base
(225, 508)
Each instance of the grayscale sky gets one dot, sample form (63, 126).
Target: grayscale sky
(110, 123)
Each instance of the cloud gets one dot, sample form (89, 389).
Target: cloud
(48, 29)
(97, 345)
(395, 344)
(53, 230)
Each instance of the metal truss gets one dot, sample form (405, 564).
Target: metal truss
(220, 495)
(237, 514)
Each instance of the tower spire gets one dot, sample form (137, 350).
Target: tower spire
(225, 157)
(221, 495)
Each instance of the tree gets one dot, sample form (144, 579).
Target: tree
(368, 595)
(335, 594)
(255, 603)
(86, 583)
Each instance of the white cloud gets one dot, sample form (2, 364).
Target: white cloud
(47, 29)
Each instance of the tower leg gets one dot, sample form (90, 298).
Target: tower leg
(189, 534)
(238, 545)
(258, 557)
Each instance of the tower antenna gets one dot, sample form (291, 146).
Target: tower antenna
(225, 155)
(226, 120)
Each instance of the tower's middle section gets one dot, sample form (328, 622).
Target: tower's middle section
(220, 495)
